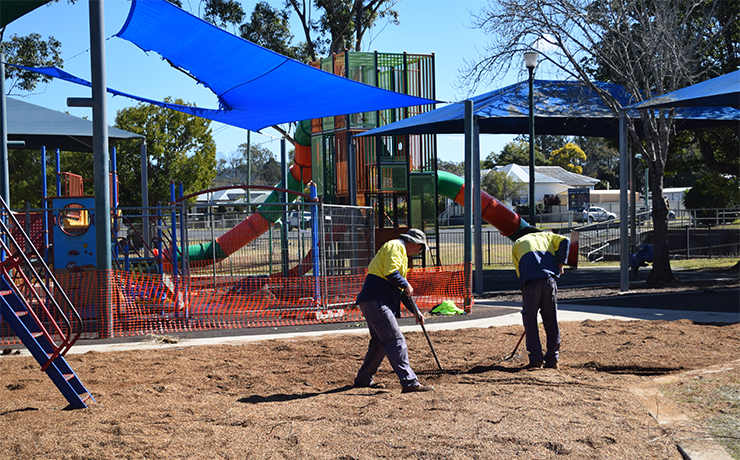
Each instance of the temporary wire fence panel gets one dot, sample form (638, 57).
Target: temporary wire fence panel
(120, 304)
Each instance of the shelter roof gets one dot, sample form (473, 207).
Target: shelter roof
(10, 10)
(561, 108)
(723, 91)
(39, 126)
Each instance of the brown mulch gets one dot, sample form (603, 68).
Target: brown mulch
(292, 399)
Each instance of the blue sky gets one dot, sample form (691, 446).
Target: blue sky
(426, 26)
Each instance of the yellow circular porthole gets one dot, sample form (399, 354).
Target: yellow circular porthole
(74, 219)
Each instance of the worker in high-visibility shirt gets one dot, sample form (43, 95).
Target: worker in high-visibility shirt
(380, 302)
(538, 259)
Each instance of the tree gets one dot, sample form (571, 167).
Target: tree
(546, 143)
(602, 161)
(342, 24)
(180, 149)
(270, 27)
(29, 51)
(649, 47)
(517, 152)
(712, 191)
(457, 169)
(569, 157)
(265, 168)
(502, 187)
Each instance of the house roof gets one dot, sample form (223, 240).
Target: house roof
(568, 177)
(521, 173)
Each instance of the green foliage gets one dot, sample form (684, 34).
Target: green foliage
(539, 209)
(502, 187)
(602, 161)
(516, 151)
(29, 51)
(223, 12)
(180, 149)
(270, 27)
(570, 157)
(24, 172)
(713, 191)
(457, 169)
(265, 168)
(341, 24)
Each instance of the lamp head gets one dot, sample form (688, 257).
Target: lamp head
(530, 59)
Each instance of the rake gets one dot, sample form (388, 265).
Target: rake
(508, 358)
(411, 305)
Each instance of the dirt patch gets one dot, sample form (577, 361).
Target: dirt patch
(292, 398)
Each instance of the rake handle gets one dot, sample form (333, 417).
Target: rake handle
(517, 346)
(409, 302)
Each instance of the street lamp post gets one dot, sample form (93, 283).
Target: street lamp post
(530, 60)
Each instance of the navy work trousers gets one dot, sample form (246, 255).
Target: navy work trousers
(386, 339)
(541, 296)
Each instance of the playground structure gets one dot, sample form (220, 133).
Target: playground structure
(258, 272)
(189, 276)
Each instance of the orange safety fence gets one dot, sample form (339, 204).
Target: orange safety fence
(120, 304)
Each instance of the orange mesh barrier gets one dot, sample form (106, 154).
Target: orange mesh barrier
(118, 304)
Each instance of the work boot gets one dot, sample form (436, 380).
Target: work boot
(415, 388)
(533, 365)
(372, 384)
(552, 365)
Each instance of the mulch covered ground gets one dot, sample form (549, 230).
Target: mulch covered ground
(291, 398)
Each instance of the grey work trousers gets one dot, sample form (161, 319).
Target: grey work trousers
(386, 339)
(541, 296)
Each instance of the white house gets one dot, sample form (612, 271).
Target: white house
(229, 198)
(548, 181)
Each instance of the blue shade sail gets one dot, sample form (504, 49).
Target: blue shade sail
(255, 87)
(722, 91)
(561, 108)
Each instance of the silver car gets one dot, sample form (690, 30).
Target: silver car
(594, 214)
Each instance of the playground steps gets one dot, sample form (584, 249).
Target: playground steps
(149, 266)
(40, 319)
(40, 345)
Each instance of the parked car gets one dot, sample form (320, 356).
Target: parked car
(594, 214)
(457, 219)
(298, 219)
(642, 216)
(302, 219)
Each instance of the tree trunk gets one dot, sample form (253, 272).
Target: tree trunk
(661, 273)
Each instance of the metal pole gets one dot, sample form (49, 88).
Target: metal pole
(4, 169)
(44, 202)
(315, 243)
(284, 227)
(624, 282)
(532, 220)
(469, 147)
(477, 218)
(59, 172)
(145, 197)
(249, 161)
(100, 137)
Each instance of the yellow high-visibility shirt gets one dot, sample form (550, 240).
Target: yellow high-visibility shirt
(391, 257)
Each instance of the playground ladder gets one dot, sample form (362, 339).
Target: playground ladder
(36, 317)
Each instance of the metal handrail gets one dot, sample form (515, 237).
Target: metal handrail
(19, 256)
